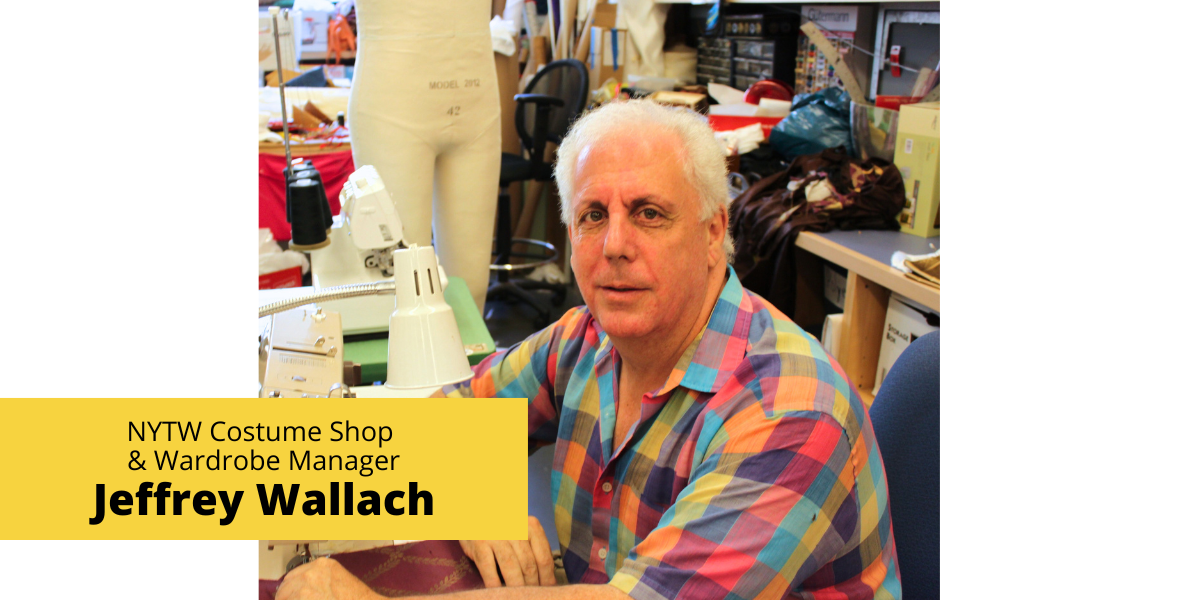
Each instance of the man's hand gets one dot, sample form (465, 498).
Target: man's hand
(323, 579)
(520, 562)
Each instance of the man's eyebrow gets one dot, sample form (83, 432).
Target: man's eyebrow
(652, 199)
(588, 205)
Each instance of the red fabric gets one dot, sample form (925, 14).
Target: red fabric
(729, 123)
(335, 168)
(435, 567)
(286, 278)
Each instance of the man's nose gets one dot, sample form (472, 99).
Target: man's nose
(618, 242)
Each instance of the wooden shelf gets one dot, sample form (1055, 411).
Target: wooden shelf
(872, 268)
(870, 282)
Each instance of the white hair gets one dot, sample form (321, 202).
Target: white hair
(703, 156)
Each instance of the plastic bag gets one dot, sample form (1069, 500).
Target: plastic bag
(874, 130)
(272, 258)
(818, 121)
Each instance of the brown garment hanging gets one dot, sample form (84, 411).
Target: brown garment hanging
(766, 218)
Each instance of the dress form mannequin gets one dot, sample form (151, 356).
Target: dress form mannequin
(425, 111)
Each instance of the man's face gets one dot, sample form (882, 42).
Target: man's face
(640, 252)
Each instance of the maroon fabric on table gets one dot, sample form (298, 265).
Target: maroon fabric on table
(434, 567)
(335, 168)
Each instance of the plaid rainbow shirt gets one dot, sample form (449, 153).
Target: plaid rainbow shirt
(753, 473)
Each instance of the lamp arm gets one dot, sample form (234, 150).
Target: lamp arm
(375, 288)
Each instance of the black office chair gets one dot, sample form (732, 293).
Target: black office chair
(551, 102)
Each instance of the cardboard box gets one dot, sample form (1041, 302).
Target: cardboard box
(905, 322)
(606, 56)
(918, 157)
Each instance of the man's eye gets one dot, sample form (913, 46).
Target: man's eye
(650, 213)
(592, 216)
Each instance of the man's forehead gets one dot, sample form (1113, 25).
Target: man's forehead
(631, 167)
(628, 148)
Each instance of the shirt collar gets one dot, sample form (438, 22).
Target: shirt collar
(711, 358)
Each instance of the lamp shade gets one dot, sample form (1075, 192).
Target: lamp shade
(424, 346)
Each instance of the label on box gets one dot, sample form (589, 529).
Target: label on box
(903, 325)
(835, 288)
(833, 18)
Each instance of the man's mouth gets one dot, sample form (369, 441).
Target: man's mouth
(621, 288)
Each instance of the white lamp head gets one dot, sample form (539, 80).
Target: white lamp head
(424, 348)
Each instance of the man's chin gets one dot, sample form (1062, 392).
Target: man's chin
(623, 324)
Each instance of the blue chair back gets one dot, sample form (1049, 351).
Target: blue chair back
(905, 415)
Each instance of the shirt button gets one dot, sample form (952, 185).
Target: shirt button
(603, 553)
(607, 487)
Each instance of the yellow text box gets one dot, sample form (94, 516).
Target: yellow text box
(460, 464)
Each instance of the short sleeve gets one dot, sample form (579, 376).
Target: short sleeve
(770, 504)
(526, 370)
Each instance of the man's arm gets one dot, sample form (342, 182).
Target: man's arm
(327, 579)
(528, 370)
(525, 370)
(767, 506)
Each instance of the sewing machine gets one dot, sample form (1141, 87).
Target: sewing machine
(301, 356)
(362, 240)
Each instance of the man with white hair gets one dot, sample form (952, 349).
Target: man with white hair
(705, 446)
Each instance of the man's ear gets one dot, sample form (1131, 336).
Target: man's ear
(718, 228)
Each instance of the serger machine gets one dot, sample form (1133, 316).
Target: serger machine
(384, 285)
(362, 240)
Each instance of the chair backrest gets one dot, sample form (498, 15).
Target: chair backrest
(566, 80)
(905, 416)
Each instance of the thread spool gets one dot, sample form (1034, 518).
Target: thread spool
(308, 218)
(305, 170)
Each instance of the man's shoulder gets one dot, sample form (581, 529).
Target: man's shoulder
(773, 334)
(788, 371)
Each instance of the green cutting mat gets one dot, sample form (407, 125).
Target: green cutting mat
(372, 354)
